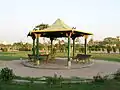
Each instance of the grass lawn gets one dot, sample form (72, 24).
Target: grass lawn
(14, 55)
(24, 55)
(99, 56)
(105, 56)
(107, 85)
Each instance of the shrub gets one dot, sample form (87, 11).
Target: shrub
(114, 49)
(31, 80)
(24, 49)
(119, 49)
(89, 49)
(4, 49)
(103, 49)
(109, 49)
(99, 78)
(54, 80)
(82, 50)
(92, 49)
(96, 49)
(54, 50)
(99, 49)
(117, 75)
(6, 74)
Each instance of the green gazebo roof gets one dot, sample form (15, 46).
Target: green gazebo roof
(58, 24)
(59, 29)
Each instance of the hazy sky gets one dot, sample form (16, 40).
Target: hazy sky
(18, 17)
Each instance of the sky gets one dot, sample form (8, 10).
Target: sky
(18, 17)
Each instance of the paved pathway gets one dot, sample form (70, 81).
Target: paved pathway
(104, 67)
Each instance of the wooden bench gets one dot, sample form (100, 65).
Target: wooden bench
(82, 57)
(42, 57)
(31, 57)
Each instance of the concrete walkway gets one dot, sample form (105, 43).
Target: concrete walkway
(58, 64)
(104, 67)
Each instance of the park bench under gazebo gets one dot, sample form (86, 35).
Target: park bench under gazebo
(56, 30)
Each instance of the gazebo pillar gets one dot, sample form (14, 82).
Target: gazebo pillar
(37, 49)
(86, 36)
(51, 39)
(69, 46)
(33, 47)
(73, 47)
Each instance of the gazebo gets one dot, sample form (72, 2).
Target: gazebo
(56, 30)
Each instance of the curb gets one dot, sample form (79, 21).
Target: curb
(26, 64)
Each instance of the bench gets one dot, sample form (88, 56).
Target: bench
(31, 57)
(42, 57)
(82, 57)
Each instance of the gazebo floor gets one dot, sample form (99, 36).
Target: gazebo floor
(57, 64)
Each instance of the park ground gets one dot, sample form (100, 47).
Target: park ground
(107, 85)
(24, 54)
(104, 64)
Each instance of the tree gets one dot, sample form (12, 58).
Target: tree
(103, 48)
(18, 45)
(110, 41)
(109, 49)
(77, 44)
(41, 46)
(91, 42)
(118, 42)
(26, 47)
(41, 26)
(77, 47)
(114, 49)
(119, 49)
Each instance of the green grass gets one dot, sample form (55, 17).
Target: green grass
(105, 56)
(24, 55)
(107, 85)
(99, 56)
(14, 55)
